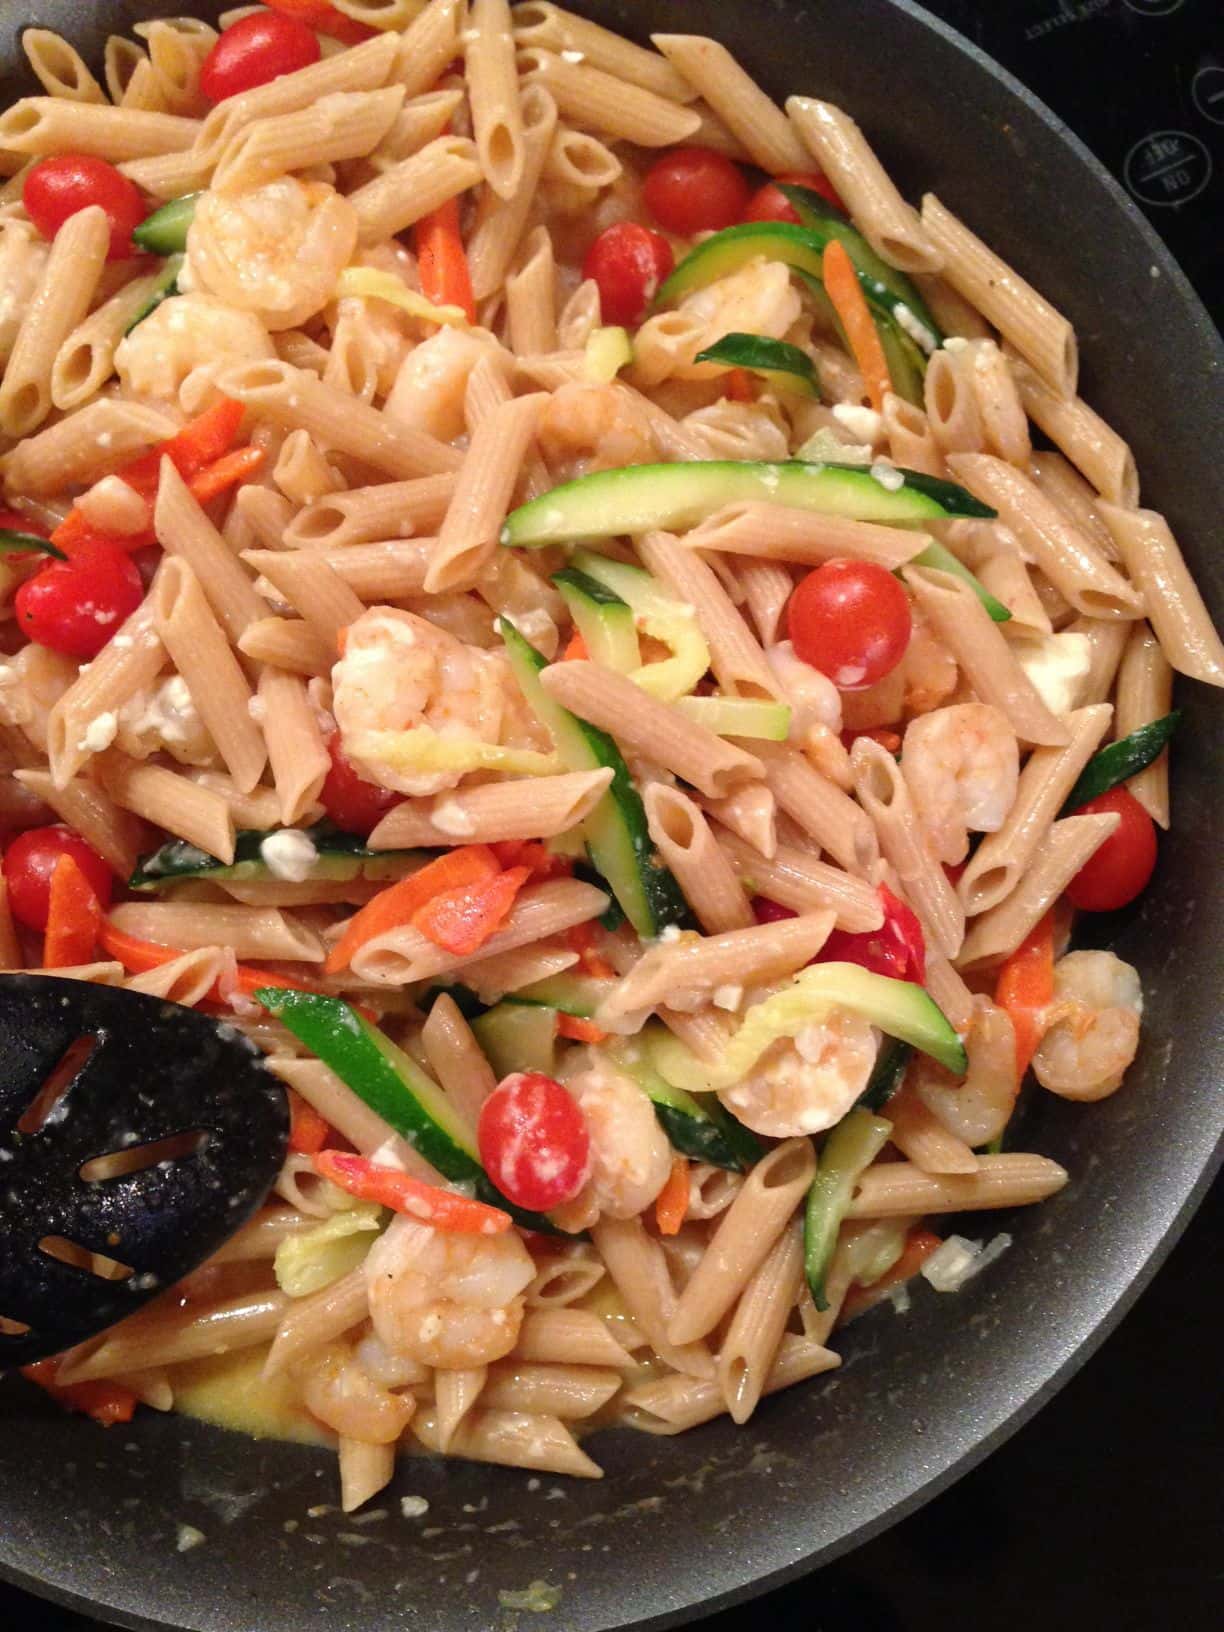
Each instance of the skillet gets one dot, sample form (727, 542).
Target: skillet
(683, 1526)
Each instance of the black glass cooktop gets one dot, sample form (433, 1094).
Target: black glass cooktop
(1104, 1512)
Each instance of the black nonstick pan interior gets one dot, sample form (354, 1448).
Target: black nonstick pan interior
(95, 1518)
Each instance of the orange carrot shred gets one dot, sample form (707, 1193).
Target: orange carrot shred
(73, 917)
(308, 1131)
(390, 1187)
(397, 904)
(671, 1203)
(576, 650)
(228, 471)
(579, 1030)
(846, 293)
(461, 921)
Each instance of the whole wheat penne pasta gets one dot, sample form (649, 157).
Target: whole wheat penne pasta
(883, 794)
(539, 23)
(456, 1058)
(494, 812)
(491, 978)
(470, 531)
(259, 1239)
(1001, 570)
(1069, 560)
(566, 1337)
(911, 441)
(297, 399)
(414, 187)
(69, 279)
(165, 1334)
(23, 259)
(1175, 608)
(385, 571)
(455, 1393)
(951, 402)
(736, 99)
(1039, 333)
(351, 1117)
(493, 92)
(512, 1439)
(172, 801)
(744, 1236)
(259, 808)
(688, 846)
(344, 125)
(428, 46)
(84, 445)
(296, 750)
(130, 661)
(249, 932)
(1108, 638)
(46, 124)
(568, 1392)
(600, 101)
(367, 514)
(921, 1137)
(804, 536)
(177, 49)
(1005, 429)
(948, 988)
(85, 361)
(766, 587)
(671, 1405)
(185, 531)
(1145, 693)
(201, 653)
(638, 1268)
(365, 1469)
(186, 980)
(961, 621)
(1093, 447)
(580, 160)
(1059, 480)
(287, 643)
(165, 176)
(501, 221)
(796, 879)
(308, 1323)
(750, 812)
(115, 834)
(579, 316)
(564, 1278)
(1010, 1180)
(402, 955)
(302, 472)
(487, 389)
(1000, 861)
(891, 226)
(735, 655)
(646, 726)
(59, 67)
(819, 807)
(954, 314)
(312, 587)
(1065, 848)
(750, 1348)
(531, 296)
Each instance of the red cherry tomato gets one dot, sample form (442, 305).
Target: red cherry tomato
(769, 204)
(1119, 870)
(534, 1142)
(629, 263)
(76, 606)
(255, 50)
(57, 188)
(29, 862)
(353, 804)
(896, 949)
(694, 189)
(851, 620)
(766, 911)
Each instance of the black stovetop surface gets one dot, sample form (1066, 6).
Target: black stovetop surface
(1104, 1511)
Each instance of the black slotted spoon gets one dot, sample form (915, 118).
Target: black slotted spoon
(186, 1102)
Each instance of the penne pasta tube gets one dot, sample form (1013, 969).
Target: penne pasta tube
(1175, 607)
(390, 511)
(344, 125)
(493, 92)
(599, 101)
(512, 1439)
(84, 445)
(183, 530)
(568, 1392)
(780, 533)
(165, 1334)
(1059, 480)
(296, 750)
(259, 1239)
(947, 987)
(568, 1337)
(735, 655)
(287, 643)
(751, 814)
(649, 727)
(115, 834)
(49, 124)
(911, 440)
(1145, 693)
(313, 587)
(1042, 336)
(456, 1058)
(747, 1231)
(249, 932)
(428, 46)
(891, 226)
(564, 1278)
(531, 297)
(921, 1137)
(794, 878)
(767, 587)
(86, 359)
(186, 980)
(819, 807)
(365, 1469)
(671, 1405)
(170, 800)
(1064, 849)
(470, 531)
(687, 844)
(1069, 560)
(59, 67)
(891, 1189)
(351, 1117)
(500, 224)
(1000, 861)
(638, 1269)
(129, 662)
(491, 978)
(537, 22)
(414, 187)
(1096, 450)
(736, 100)
(963, 624)
(455, 1393)
(750, 1348)
(166, 176)
(493, 812)
(311, 1322)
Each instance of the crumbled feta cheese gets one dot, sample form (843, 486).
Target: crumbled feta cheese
(450, 817)
(573, 56)
(257, 709)
(728, 997)
(413, 1507)
(958, 1260)
(914, 327)
(888, 476)
(1057, 665)
(169, 713)
(956, 342)
(671, 933)
(863, 423)
(387, 1156)
(188, 1537)
(289, 854)
(100, 733)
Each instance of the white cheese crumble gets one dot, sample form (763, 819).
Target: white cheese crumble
(671, 933)
(413, 1507)
(1057, 665)
(914, 327)
(451, 818)
(289, 854)
(956, 342)
(888, 476)
(958, 1260)
(728, 997)
(100, 733)
(168, 714)
(863, 423)
(387, 1156)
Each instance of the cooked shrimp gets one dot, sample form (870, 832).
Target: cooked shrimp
(585, 428)
(447, 1300)
(399, 671)
(630, 1155)
(431, 381)
(277, 251)
(338, 1390)
(814, 700)
(976, 1107)
(807, 1084)
(961, 766)
(1092, 1026)
(185, 333)
(928, 669)
(759, 299)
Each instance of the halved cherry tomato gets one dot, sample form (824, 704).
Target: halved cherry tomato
(694, 189)
(896, 949)
(59, 187)
(851, 620)
(766, 911)
(629, 263)
(254, 51)
(30, 861)
(768, 204)
(353, 804)
(534, 1142)
(76, 606)
(1119, 870)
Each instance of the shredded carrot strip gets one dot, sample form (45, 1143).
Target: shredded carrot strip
(390, 1187)
(533, 854)
(919, 1245)
(308, 1131)
(844, 290)
(397, 904)
(579, 1030)
(1025, 988)
(461, 921)
(73, 917)
(226, 472)
(671, 1203)
(107, 1403)
(581, 939)
(442, 260)
(325, 19)
(576, 650)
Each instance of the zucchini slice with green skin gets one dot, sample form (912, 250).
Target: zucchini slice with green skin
(604, 621)
(341, 856)
(165, 231)
(906, 363)
(892, 287)
(941, 558)
(518, 1037)
(1121, 760)
(851, 1146)
(568, 993)
(739, 716)
(12, 542)
(700, 1129)
(617, 838)
(166, 285)
(780, 364)
(675, 498)
(886, 1075)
